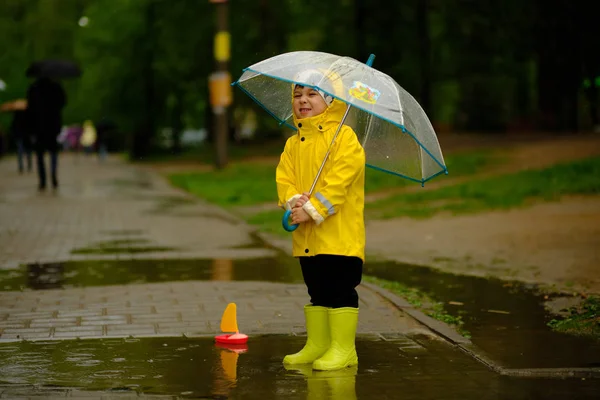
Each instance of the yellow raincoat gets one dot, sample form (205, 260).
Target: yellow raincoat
(337, 202)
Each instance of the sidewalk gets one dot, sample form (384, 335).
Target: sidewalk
(98, 204)
(100, 207)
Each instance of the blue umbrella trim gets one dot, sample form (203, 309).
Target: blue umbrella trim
(421, 181)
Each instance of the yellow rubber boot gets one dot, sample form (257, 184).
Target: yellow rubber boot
(317, 331)
(342, 352)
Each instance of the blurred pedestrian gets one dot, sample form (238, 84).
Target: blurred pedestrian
(88, 137)
(46, 99)
(19, 131)
(74, 133)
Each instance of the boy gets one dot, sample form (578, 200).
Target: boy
(330, 239)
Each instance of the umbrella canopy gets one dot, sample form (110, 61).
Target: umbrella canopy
(395, 132)
(14, 105)
(53, 69)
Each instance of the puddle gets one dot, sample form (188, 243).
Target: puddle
(45, 276)
(124, 232)
(118, 272)
(122, 242)
(122, 246)
(168, 202)
(507, 320)
(105, 249)
(132, 183)
(197, 368)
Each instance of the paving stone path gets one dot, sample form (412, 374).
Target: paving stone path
(98, 202)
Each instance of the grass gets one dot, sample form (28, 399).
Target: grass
(459, 164)
(502, 192)
(421, 301)
(249, 183)
(237, 185)
(583, 319)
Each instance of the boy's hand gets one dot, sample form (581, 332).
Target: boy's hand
(299, 216)
(302, 200)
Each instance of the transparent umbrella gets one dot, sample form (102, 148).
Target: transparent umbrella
(393, 129)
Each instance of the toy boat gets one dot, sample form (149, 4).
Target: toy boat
(229, 324)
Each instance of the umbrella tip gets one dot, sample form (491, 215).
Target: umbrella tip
(370, 60)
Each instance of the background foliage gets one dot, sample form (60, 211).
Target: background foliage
(474, 65)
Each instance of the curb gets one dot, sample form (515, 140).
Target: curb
(446, 332)
(440, 328)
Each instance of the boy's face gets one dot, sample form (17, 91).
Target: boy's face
(307, 102)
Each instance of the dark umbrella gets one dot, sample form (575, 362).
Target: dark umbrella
(53, 69)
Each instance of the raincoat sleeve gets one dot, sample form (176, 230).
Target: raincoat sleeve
(286, 179)
(347, 162)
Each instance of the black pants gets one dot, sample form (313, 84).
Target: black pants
(332, 280)
(42, 167)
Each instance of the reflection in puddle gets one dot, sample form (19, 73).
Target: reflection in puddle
(119, 272)
(225, 375)
(255, 371)
(339, 384)
(222, 270)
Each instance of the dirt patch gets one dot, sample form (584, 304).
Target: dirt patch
(553, 151)
(552, 243)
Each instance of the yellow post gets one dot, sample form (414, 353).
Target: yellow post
(219, 83)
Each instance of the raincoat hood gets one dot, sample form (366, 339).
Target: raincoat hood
(328, 119)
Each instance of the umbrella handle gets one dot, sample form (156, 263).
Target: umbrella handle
(285, 222)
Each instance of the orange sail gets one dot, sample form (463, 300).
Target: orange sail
(229, 319)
